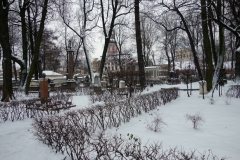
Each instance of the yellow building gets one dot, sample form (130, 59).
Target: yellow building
(183, 55)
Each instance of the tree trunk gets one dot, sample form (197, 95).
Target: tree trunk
(24, 42)
(142, 77)
(37, 47)
(89, 64)
(221, 47)
(206, 46)
(7, 92)
(237, 64)
(107, 36)
(194, 52)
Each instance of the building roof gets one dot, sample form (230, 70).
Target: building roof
(51, 73)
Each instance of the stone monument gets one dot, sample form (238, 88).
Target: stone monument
(71, 83)
(43, 86)
(97, 83)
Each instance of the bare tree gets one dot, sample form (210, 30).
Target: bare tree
(50, 52)
(86, 21)
(121, 36)
(230, 20)
(169, 40)
(37, 46)
(207, 45)
(23, 5)
(110, 11)
(6, 48)
(180, 8)
(149, 38)
(142, 78)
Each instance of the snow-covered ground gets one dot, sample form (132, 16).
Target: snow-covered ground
(219, 132)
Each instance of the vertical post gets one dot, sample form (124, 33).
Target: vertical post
(71, 83)
(43, 88)
(70, 64)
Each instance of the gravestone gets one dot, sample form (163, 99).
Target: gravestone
(43, 88)
(202, 87)
(71, 83)
(121, 84)
(97, 81)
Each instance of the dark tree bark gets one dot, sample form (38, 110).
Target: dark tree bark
(109, 34)
(221, 33)
(142, 78)
(211, 28)
(207, 46)
(166, 50)
(23, 9)
(37, 46)
(194, 52)
(231, 23)
(32, 45)
(235, 10)
(237, 64)
(115, 6)
(6, 48)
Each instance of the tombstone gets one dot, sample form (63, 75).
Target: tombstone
(97, 84)
(75, 78)
(66, 76)
(70, 64)
(172, 74)
(104, 84)
(71, 83)
(121, 84)
(202, 87)
(151, 84)
(87, 79)
(43, 87)
(97, 81)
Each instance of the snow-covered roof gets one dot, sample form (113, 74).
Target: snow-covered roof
(228, 64)
(151, 67)
(51, 73)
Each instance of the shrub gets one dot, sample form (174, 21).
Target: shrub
(233, 91)
(196, 119)
(156, 124)
(212, 101)
(228, 101)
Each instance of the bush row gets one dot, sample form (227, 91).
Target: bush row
(32, 108)
(80, 133)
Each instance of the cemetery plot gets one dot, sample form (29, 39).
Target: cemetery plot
(55, 103)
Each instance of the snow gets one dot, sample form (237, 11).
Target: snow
(238, 49)
(219, 132)
(51, 73)
(151, 67)
(228, 64)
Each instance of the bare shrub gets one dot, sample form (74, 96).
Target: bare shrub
(228, 101)
(196, 119)
(156, 124)
(212, 101)
(233, 91)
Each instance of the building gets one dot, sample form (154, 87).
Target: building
(183, 55)
(113, 62)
